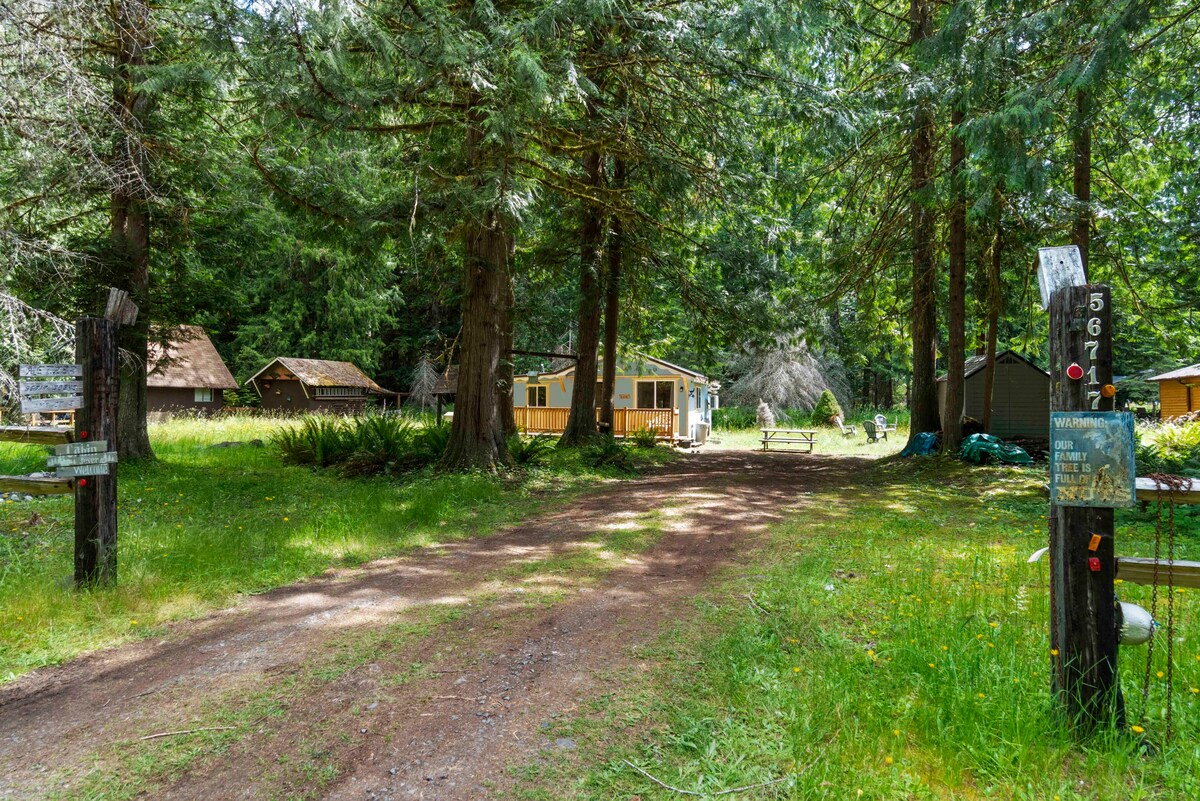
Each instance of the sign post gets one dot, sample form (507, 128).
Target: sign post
(95, 421)
(1092, 471)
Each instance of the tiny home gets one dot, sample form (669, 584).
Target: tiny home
(649, 394)
(1020, 396)
(185, 372)
(314, 385)
(1178, 391)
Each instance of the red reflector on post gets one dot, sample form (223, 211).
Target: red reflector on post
(1074, 372)
(1094, 564)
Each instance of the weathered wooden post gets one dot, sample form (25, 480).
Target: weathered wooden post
(1091, 471)
(96, 421)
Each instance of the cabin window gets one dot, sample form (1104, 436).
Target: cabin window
(656, 394)
(202, 395)
(535, 396)
(340, 392)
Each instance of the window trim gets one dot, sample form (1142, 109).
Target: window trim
(655, 382)
(532, 393)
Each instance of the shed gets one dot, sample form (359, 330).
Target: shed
(1020, 396)
(445, 388)
(314, 385)
(185, 372)
(1178, 391)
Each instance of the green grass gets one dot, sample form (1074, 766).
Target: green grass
(202, 524)
(895, 644)
(829, 441)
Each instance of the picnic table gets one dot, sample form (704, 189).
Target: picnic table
(798, 437)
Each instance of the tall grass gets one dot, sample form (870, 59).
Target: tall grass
(892, 641)
(203, 523)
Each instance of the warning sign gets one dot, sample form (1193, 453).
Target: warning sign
(1091, 459)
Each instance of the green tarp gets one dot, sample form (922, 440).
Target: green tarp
(978, 447)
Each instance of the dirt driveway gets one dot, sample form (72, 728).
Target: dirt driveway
(420, 677)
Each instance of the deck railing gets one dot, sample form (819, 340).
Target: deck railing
(545, 420)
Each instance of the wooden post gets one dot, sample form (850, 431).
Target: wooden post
(1083, 625)
(96, 496)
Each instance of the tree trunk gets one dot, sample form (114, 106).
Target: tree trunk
(504, 384)
(956, 345)
(1081, 228)
(924, 277)
(581, 422)
(993, 323)
(130, 218)
(477, 438)
(612, 306)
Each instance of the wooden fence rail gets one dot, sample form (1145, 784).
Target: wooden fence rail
(547, 420)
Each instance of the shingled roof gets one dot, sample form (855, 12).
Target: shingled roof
(188, 360)
(447, 383)
(1192, 371)
(325, 373)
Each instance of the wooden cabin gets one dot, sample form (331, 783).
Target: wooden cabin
(650, 394)
(1020, 397)
(185, 372)
(1178, 392)
(315, 385)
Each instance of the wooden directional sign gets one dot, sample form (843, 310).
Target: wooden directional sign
(49, 387)
(76, 459)
(1059, 268)
(95, 446)
(50, 371)
(61, 404)
(83, 470)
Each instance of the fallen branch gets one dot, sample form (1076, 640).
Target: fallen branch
(730, 791)
(186, 731)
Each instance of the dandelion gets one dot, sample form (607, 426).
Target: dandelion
(932, 665)
(285, 519)
(945, 648)
(1160, 674)
(133, 622)
(1195, 690)
(993, 624)
(896, 732)
(795, 670)
(1054, 652)
(888, 760)
(981, 695)
(1137, 729)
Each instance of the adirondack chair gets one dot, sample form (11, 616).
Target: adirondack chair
(882, 424)
(847, 431)
(874, 432)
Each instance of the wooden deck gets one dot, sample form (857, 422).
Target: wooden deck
(549, 420)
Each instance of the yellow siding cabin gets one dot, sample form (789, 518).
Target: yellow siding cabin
(1178, 392)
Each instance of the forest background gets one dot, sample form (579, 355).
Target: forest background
(842, 193)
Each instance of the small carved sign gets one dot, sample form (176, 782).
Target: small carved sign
(50, 370)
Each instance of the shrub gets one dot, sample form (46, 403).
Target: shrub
(766, 418)
(382, 444)
(530, 451)
(826, 409)
(1175, 449)
(608, 452)
(430, 443)
(643, 437)
(733, 418)
(319, 440)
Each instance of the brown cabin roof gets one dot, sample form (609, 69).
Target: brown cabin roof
(324, 373)
(447, 383)
(188, 360)
(1192, 371)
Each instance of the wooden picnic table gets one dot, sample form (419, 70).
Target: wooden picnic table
(798, 437)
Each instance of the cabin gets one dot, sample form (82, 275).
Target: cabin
(649, 394)
(315, 386)
(1020, 396)
(185, 373)
(1178, 392)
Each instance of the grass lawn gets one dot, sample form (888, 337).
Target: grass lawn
(890, 642)
(202, 524)
(829, 440)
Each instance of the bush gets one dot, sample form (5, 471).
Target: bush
(608, 452)
(643, 438)
(733, 418)
(430, 443)
(826, 409)
(530, 451)
(364, 446)
(1175, 449)
(320, 441)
